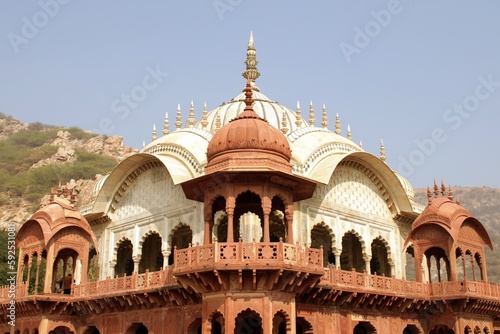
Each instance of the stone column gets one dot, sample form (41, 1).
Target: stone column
(165, 254)
(337, 260)
(230, 204)
(367, 265)
(136, 260)
(112, 265)
(207, 216)
(289, 225)
(266, 208)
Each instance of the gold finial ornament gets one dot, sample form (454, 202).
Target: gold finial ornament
(324, 116)
(337, 124)
(251, 72)
(153, 135)
(204, 117)
(191, 119)
(436, 189)
(298, 117)
(166, 125)
(284, 124)
(312, 120)
(349, 135)
(383, 156)
(450, 193)
(178, 117)
(217, 122)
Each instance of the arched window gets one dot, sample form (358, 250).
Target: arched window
(322, 235)
(410, 272)
(248, 321)
(352, 253)
(124, 262)
(180, 237)
(151, 256)
(379, 263)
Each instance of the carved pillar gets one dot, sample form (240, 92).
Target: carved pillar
(472, 263)
(38, 262)
(464, 266)
(337, 260)
(230, 204)
(207, 217)
(136, 260)
(289, 224)
(165, 254)
(112, 265)
(266, 208)
(367, 265)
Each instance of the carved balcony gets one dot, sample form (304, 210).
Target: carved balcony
(224, 266)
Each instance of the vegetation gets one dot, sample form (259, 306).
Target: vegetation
(23, 149)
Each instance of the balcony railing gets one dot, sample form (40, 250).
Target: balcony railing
(267, 255)
(251, 255)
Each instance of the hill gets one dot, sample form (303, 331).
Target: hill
(35, 158)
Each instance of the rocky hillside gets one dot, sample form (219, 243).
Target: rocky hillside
(35, 158)
(484, 204)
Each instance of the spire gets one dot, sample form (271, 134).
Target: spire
(143, 143)
(166, 125)
(153, 135)
(324, 116)
(312, 120)
(450, 193)
(191, 119)
(251, 72)
(429, 196)
(361, 144)
(436, 189)
(284, 124)
(204, 120)
(349, 135)
(217, 122)
(443, 188)
(337, 124)
(248, 112)
(298, 118)
(178, 117)
(51, 197)
(383, 157)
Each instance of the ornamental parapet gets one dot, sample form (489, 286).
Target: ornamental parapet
(345, 280)
(248, 255)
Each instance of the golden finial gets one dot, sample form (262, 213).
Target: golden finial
(443, 188)
(361, 143)
(191, 119)
(298, 118)
(436, 189)
(349, 135)
(324, 121)
(429, 196)
(217, 122)
(312, 120)
(204, 117)
(165, 125)
(284, 124)
(337, 124)
(383, 157)
(178, 117)
(251, 72)
(153, 135)
(450, 193)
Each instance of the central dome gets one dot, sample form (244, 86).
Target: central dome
(248, 142)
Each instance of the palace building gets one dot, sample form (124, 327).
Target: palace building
(252, 219)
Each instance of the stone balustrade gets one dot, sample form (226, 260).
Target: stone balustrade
(247, 255)
(268, 254)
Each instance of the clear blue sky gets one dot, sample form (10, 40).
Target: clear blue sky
(422, 76)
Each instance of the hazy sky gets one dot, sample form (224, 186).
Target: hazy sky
(424, 76)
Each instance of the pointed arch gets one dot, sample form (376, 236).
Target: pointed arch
(150, 248)
(303, 326)
(364, 327)
(248, 321)
(181, 236)
(216, 323)
(281, 322)
(382, 262)
(124, 264)
(322, 236)
(353, 252)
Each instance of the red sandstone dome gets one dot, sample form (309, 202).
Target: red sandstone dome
(248, 142)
